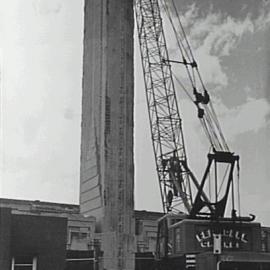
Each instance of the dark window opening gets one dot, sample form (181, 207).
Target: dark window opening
(244, 266)
(24, 263)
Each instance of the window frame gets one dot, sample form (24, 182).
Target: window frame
(33, 264)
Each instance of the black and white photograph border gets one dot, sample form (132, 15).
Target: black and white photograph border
(134, 134)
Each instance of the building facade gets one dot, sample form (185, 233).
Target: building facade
(33, 231)
(31, 242)
(80, 230)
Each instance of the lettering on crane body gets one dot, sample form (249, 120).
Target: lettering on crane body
(231, 238)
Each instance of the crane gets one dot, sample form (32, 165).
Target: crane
(176, 180)
(183, 238)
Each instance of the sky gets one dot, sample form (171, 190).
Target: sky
(41, 77)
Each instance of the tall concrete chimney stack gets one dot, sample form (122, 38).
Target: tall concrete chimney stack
(107, 169)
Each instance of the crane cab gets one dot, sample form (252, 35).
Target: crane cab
(203, 244)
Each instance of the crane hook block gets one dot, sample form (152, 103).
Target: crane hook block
(200, 112)
(206, 98)
(202, 98)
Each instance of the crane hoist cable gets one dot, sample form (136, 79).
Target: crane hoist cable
(204, 125)
(204, 105)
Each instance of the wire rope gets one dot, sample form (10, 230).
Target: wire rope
(211, 123)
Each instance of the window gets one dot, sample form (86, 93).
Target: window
(244, 265)
(78, 234)
(78, 240)
(24, 263)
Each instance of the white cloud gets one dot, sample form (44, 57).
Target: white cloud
(45, 7)
(190, 16)
(263, 19)
(211, 67)
(213, 37)
(40, 91)
(248, 117)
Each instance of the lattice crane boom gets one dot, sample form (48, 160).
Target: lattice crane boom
(165, 121)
